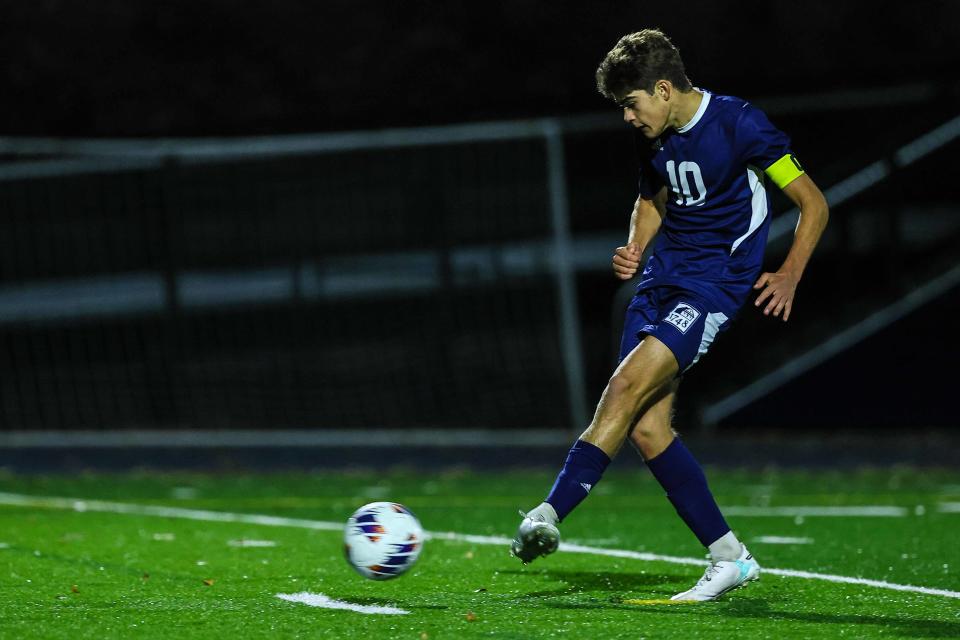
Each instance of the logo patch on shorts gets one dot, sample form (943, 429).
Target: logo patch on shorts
(682, 316)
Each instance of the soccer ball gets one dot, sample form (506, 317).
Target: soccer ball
(382, 540)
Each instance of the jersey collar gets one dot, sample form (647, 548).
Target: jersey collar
(704, 101)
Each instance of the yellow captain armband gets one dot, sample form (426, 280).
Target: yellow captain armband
(785, 170)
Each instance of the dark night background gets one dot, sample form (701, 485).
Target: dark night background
(852, 83)
(217, 67)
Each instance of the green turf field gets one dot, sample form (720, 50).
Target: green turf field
(94, 574)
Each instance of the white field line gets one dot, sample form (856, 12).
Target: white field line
(827, 512)
(251, 543)
(948, 507)
(782, 540)
(50, 502)
(76, 504)
(326, 602)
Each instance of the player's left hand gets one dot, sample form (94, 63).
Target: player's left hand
(778, 290)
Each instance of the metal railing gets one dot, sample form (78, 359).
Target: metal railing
(562, 256)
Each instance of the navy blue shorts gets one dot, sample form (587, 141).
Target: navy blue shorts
(683, 321)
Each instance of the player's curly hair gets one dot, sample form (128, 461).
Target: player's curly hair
(637, 62)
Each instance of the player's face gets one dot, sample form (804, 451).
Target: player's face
(645, 112)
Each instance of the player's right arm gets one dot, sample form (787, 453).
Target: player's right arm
(644, 224)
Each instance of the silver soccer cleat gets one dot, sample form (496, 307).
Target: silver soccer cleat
(534, 538)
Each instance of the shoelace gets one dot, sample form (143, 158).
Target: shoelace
(532, 518)
(709, 573)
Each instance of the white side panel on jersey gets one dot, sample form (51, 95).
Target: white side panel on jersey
(711, 325)
(758, 203)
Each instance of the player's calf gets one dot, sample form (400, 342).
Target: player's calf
(538, 534)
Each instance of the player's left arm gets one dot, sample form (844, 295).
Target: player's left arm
(779, 289)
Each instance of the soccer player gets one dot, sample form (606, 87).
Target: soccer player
(704, 161)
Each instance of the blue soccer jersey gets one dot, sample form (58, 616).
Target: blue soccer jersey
(712, 238)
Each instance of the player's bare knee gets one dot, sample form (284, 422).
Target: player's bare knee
(646, 433)
(622, 385)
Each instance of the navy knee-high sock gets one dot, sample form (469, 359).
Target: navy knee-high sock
(680, 475)
(583, 468)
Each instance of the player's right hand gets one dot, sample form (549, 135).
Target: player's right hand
(626, 261)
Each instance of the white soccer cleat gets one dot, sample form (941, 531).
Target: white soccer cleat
(534, 538)
(723, 576)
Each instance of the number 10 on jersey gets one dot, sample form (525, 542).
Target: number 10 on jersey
(682, 189)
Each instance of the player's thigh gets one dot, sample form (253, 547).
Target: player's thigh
(649, 366)
(641, 374)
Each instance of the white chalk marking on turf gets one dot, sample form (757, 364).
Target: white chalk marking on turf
(789, 573)
(75, 504)
(50, 502)
(164, 537)
(827, 512)
(4, 545)
(782, 540)
(252, 543)
(320, 600)
(595, 541)
(948, 507)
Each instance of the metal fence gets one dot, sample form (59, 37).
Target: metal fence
(402, 278)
